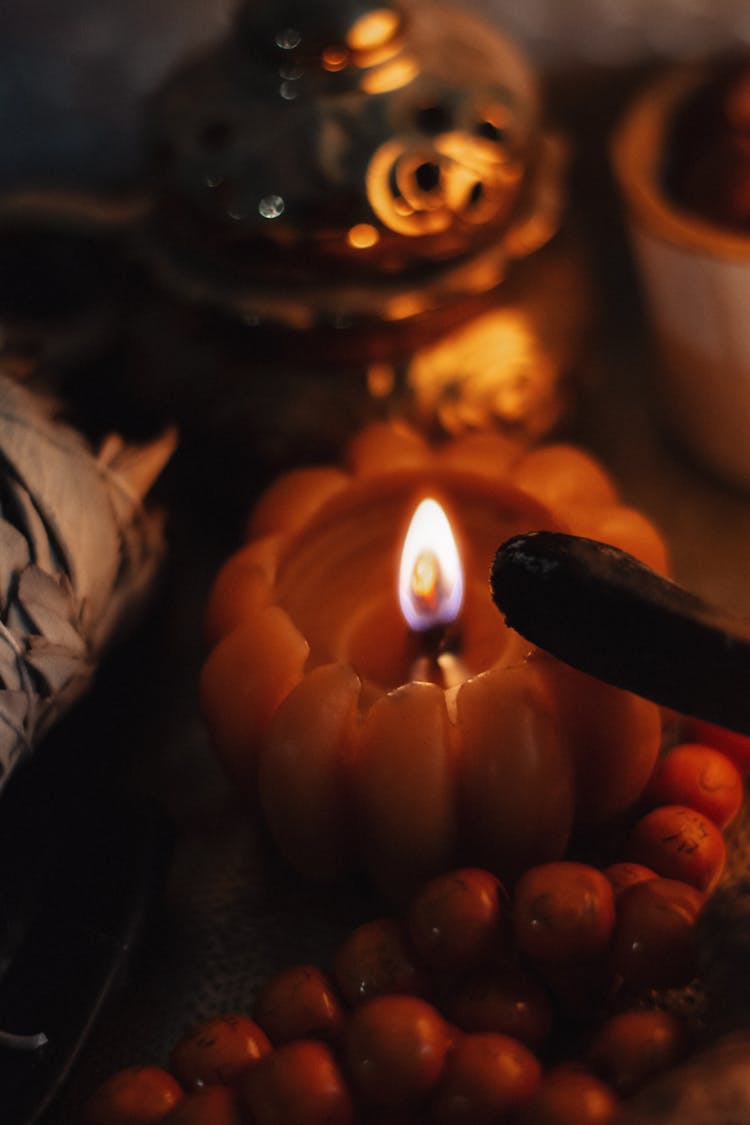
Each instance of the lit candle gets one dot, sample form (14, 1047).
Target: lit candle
(430, 577)
(309, 689)
(431, 594)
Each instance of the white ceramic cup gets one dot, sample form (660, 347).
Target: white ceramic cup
(697, 281)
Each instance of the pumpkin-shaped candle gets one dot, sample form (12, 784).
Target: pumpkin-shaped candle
(363, 688)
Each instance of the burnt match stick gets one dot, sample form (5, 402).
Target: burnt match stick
(599, 609)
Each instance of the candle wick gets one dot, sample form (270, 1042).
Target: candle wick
(439, 661)
(453, 668)
(429, 642)
(425, 670)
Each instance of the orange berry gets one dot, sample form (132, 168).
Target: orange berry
(563, 911)
(486, 1077)
(456, 920)
(395, 1049)
(700, 777)
(634, 1046)
(299, 1003)
(679, 843)
(654, 940)
(217, 1051)
(570, 1095)
(376, 959)
(297, 1084)
(507, 1000)
(213, 1105)
(138, 1095)
(735, 746)
(624, 875)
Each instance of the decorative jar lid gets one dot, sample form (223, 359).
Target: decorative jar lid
(338, 160)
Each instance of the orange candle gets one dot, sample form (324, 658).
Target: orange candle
(399, 726)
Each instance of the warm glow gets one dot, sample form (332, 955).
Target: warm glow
(362, 236)
(428, 187)
(373, 30)
(381, 379)
(390, 75)
(334, 58)
(493, 368)
(405, 305)
(430, 579)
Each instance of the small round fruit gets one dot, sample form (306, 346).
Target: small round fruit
(508, 1000)
(679, 843)
(297, 1084)
(563, 911)
(570, 1095)
(395, 1049)
(486, 1077)
(700, 777)
(456, 920)
(735, 746)
(632, 1047)
(213, 1105)
(377, 959)
(138, 1095)
(624, 875)
(217, 1051)
(299, 1003)
(654, 940)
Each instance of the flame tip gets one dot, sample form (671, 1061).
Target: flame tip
(431, 583)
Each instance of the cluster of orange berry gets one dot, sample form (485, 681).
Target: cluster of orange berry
(448, 1013)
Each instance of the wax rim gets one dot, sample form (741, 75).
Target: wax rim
(364, 524)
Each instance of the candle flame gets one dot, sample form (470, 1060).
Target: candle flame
(430, 581)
